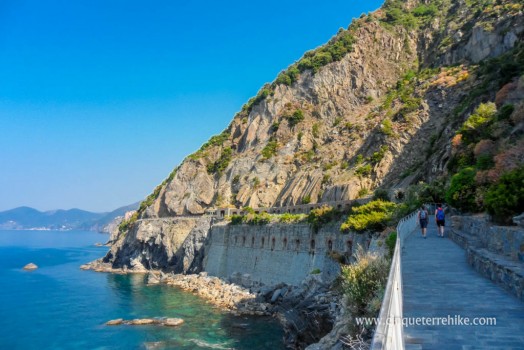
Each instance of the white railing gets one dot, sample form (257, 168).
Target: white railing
(388, 333)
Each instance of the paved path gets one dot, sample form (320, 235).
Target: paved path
(438, 282)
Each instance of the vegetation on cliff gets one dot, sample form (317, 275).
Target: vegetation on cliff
(403, 95)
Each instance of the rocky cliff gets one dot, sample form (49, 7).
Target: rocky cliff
(170, 244)
(378, 106)
(384, 104)
(335, 128)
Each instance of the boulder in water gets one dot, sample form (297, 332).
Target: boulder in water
(116, 322)
(141, 321)
(30, 267)
(173, 322)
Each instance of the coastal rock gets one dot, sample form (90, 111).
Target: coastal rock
(169, 244)
(172, 322)
(30, 267)
(116, 322)
(141, 321)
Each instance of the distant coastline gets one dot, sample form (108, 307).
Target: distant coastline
(26, 218)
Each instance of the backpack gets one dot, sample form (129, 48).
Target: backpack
(440, 214)
(423, 214)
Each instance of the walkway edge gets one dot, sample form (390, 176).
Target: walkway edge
(388, 332)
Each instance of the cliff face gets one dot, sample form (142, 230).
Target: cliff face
(377, 106)
(173, 244)
(339, 130)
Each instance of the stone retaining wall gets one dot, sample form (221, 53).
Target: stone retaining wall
(277, 253)
(496, 252)
(503, 240)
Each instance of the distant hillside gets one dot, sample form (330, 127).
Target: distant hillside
(25, 218)
(106, 222)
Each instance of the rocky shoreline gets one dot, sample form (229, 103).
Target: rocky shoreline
(307, 312)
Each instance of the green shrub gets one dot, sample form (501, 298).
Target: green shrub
(257, 219)
(306, 199)
(462, 190)
(505, 198)
(397, 14)
(374, 215)
(362, 192)
(237, 219)
(476, 126)
(425, 11)
(270, 149)
(274, 127)
(505, 112)
(485, 162)
(337, 121)
(334, 50)
(326, 178)
(248, 210)
(387, 127)
(363, 281)
(381, 194)
(391, 242)
(315, 130)
(125, 225)
(295, 118)
(283, 79)
(288, 218)
(221, 164)
(364, 170)
(378, 156)
(217, 140)
(318, 217)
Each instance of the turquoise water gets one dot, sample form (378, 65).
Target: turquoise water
(60, 306)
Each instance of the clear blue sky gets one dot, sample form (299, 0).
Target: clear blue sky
(101, 99)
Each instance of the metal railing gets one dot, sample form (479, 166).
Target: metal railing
(388, 332)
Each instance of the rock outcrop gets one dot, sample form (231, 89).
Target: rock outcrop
(30, 267)
(169, 244)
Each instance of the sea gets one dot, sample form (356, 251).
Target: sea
(59, 306)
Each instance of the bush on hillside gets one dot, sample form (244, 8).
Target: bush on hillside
(362, 284)
(375, 216)
(477, 124)
(391, 242)
(462, 191)
(318, 217)
(505, 198)
(270, 149)
(221, 164)
(295, 118)
(381, 194)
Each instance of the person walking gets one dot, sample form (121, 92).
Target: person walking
(440, 219)
(423, 220)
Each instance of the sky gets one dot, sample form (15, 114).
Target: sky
(101, 99)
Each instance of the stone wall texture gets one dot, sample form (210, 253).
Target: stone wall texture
(496, 252)
(277, 253)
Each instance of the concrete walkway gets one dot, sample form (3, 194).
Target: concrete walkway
(438, 282)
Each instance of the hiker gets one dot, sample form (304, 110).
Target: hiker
(440, 218)
(423, 220)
